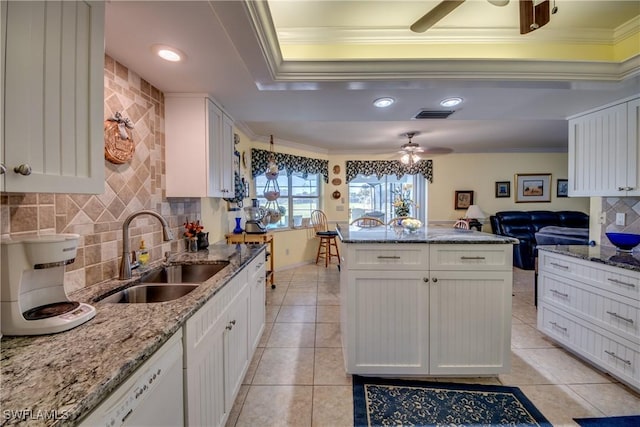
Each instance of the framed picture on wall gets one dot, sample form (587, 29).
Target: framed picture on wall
(533, 187)
(562, 188)
(464, 199)
(503, 188)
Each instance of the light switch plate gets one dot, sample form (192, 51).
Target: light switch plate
(620, 218)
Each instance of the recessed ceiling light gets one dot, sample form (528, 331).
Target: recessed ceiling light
(451, 102)
(168, 53)
(383, 102)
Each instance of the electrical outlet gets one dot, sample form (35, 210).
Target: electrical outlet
(620, 218)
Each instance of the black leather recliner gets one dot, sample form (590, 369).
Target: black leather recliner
(523, 225)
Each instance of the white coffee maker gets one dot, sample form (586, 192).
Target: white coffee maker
(32, 299)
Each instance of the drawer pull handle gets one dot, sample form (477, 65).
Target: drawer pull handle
(555, 325)
(388, 257)
(555, 264)
(620, 282)
(615, 356)
(617, 316)
(472, 257)
(559, 293)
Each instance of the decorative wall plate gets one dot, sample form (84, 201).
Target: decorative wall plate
(117, 149)
(336, 169)
(336, 181)
(336, 194)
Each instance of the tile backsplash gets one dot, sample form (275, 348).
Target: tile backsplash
(630, 206)
(129, 187)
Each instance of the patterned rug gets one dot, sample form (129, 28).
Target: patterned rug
(626, 421)
(382, 402)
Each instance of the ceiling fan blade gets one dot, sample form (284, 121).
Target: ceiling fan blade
(529, 22)
(435, 15)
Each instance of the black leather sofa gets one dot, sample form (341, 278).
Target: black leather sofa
(562, 227)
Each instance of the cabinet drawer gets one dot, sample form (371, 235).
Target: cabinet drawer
(614, 279)
(611, 353)
(388, 257)
(470, 257)
(257, 267)
(618, 314)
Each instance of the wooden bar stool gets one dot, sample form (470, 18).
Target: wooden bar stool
(328, 239)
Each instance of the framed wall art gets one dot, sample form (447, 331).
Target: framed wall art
(533, 187)
(562, 188)
(464, 199)
(503, 188)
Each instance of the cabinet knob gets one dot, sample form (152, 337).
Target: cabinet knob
(425, 279)
(435, 280)
(3, 169)
(23, 169)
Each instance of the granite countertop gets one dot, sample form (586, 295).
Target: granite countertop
(603, 254)
(388, 234)
(67, 375)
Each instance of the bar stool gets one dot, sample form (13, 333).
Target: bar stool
(328, 239)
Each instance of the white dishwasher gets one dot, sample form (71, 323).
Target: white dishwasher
(152, 396)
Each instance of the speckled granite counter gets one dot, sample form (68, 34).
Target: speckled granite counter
(352, 234)
(68, 374)
(602, 254)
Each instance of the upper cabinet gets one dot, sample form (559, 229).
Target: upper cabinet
(198, 147)
(604, 158)
(52, 117)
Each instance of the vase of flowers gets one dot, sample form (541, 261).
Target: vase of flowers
(402, 200)
(194, 237)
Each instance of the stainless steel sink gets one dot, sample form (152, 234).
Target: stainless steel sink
(152, 292)
(184, 273)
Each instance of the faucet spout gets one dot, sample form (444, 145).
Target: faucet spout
(125, 263)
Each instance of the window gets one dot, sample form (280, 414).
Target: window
(299, 196)
(370, 196)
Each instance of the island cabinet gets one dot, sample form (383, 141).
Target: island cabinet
(199, 147)
(604, 153)
(219, 343)
(52, 63)
(426, 309)
(593, 310)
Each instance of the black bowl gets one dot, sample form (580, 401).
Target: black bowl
(624, 241)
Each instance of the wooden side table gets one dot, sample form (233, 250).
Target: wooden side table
(266, 238)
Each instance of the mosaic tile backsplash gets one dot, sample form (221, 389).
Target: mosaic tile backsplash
(630, 206)
(128, 188)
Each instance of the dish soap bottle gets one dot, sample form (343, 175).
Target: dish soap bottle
(143, 257)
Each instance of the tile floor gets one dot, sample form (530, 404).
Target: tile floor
(297, 375)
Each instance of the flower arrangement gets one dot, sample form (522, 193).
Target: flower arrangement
(402, 200)
(411, 224)
(192, 229)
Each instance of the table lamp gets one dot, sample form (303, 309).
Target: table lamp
(473, 214)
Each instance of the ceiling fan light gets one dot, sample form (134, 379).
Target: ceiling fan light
(499, 3)
(451, 102)
(384, 102)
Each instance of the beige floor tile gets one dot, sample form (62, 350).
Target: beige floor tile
(328, 335)
(265, 335)
(310, 285)
(467, 380)
(296, 314)
(237, 406)
(525, 312)
(292, 335)
(328, 296)
(524, 371)
(253, 365)
(277, 406)
(293, 366)
(566, 367)
(527, 336)
(610, 399)
(275, 296)
(301, 297)
(559, 404)
(329, 367)
(271, 313)
(328, 314)
(332, 406)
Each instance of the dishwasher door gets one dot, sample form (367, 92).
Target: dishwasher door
(152, 396)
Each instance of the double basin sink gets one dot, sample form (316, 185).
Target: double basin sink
(166, 283)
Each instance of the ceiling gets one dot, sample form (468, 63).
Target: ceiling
(308, 71)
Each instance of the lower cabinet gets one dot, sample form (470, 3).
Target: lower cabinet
(257, 310)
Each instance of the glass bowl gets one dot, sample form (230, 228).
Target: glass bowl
(625, 242)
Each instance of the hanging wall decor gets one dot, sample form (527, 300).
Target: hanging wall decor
(271, 190)
(118, 142)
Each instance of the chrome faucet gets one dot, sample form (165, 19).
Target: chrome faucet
(125, 263)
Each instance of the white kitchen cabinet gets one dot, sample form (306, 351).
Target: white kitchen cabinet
(257, 297)
(426, 309)
(604, 158)
(53, 68)
(593, 310)
(198, 147)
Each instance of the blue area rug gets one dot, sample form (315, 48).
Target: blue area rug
(382, 402)
(626, 421)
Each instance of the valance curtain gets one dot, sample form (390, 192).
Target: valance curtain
(388, 167)
(288, 163)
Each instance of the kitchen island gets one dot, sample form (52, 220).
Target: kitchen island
(434, 302)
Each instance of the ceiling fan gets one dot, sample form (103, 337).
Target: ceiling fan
(533, 14)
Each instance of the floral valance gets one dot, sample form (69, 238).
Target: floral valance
(288, 163)
(389, 167)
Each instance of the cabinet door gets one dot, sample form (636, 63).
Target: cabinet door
(257, 301)
(598, 159)
(388, 322)
(236, 342)
(53, 67)
(633, 147)
(470, 322)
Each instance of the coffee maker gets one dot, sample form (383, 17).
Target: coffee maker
(32, 296)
